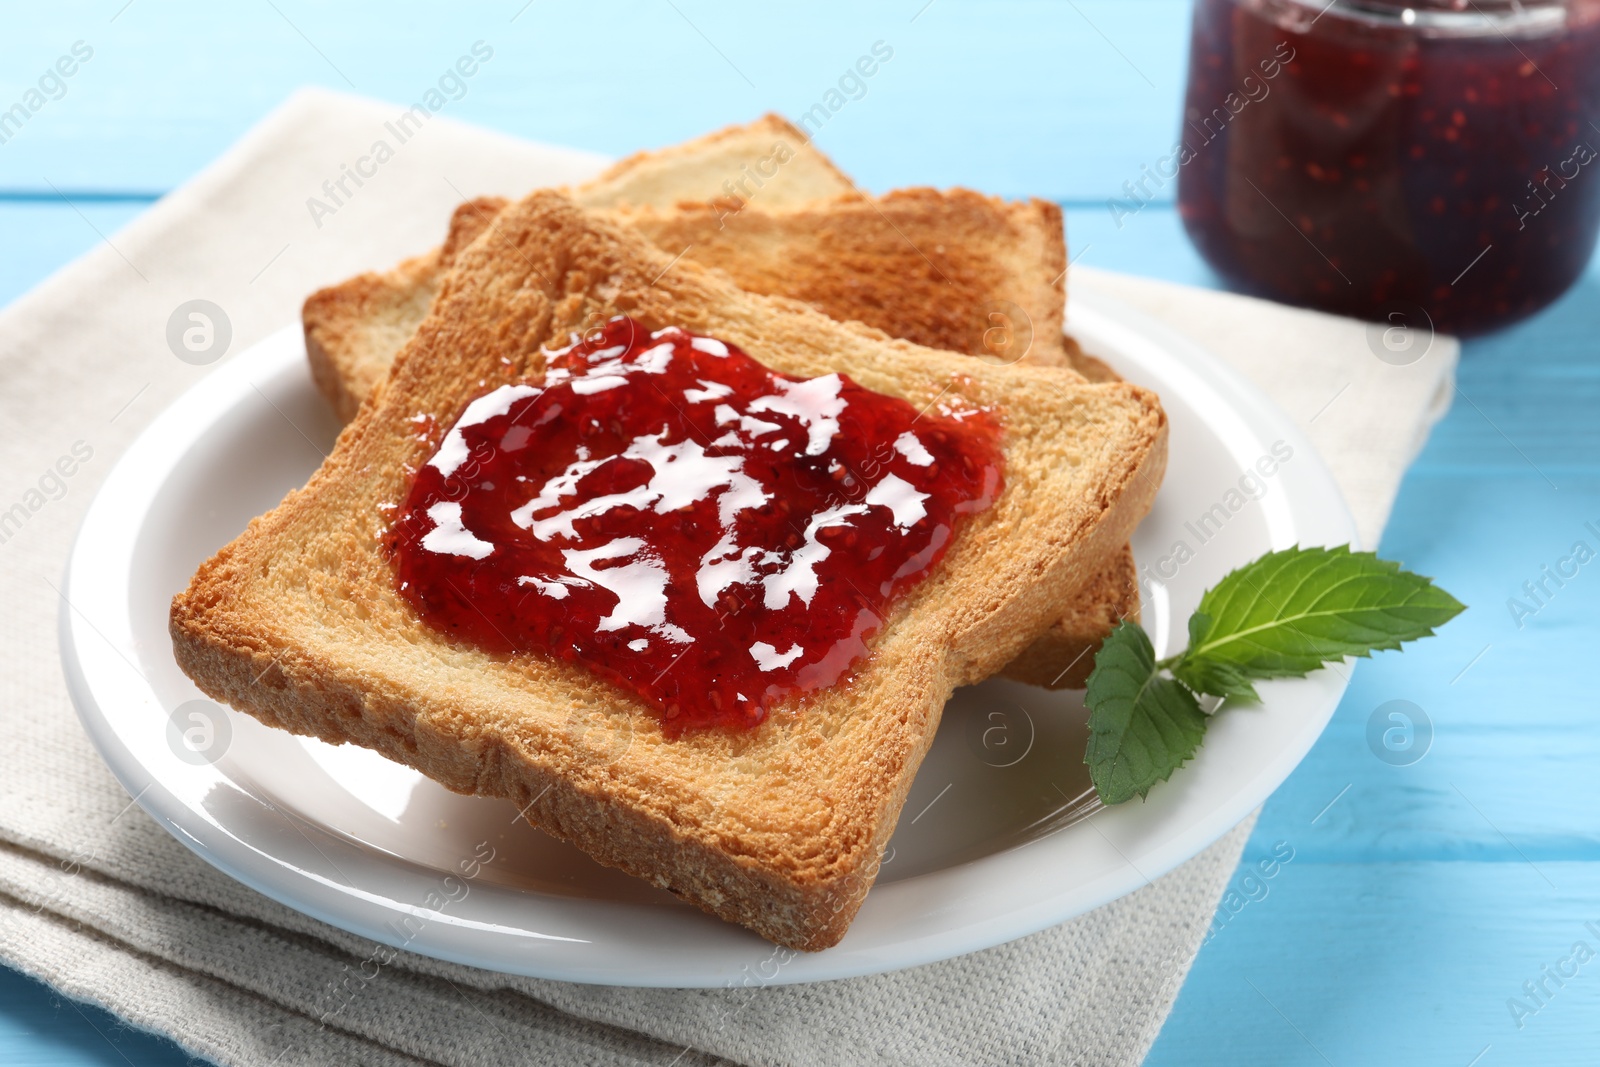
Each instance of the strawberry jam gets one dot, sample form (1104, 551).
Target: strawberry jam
(707, 533)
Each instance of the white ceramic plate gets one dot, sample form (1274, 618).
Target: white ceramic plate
(999, 838)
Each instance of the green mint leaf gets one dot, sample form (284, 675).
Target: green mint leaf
(1284, 615)
(1218, 679)
(1289, 612)
(1142, 724)
(1211, 676)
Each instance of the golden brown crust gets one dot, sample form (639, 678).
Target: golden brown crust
(467, 222)
(769, 163)
(353, 329)
(779, 828)
(1091, 367)
(1063, 656)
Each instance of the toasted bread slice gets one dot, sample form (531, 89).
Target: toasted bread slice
(769, 163)
(354, 329)
(892, 264)
(1091, 367)
(1063, 656)
(957, 271)
(781, 827)
(952, 270)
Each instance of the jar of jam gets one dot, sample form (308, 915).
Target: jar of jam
(1377, 158)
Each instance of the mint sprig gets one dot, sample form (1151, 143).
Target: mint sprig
(1282, 616)
(1142, 725)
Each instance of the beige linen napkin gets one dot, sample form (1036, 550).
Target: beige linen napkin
(101, 903)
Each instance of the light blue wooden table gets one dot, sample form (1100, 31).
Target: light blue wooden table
(1419, 898)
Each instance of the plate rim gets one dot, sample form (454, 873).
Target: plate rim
(453, 938)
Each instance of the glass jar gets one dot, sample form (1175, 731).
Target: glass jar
(1363, 156)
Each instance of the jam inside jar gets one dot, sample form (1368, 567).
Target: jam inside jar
(1376, 159)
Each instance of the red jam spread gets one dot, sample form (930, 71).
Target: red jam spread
(707, 533)
(1361, 155)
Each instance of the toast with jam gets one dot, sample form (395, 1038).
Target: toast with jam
(956, 271)
(886, 522)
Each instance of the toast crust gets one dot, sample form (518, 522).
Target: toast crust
(780, 828)
(1063, 656)
(769, 163)
(353, 329)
